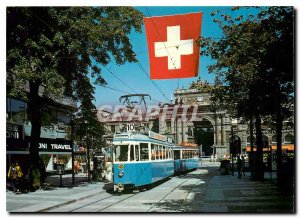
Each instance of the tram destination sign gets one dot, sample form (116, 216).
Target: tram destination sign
(157, 136)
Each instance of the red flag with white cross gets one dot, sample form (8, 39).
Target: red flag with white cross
(173, 52)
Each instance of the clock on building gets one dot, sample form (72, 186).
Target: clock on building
(200, 98)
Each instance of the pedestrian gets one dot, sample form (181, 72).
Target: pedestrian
(239, 166)
(15, 175)
(42, 169)
(55, 163)
(243, 166)
(76, 166)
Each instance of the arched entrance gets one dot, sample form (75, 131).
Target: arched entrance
(204, 135)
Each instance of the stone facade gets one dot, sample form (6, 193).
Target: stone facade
(219, 123)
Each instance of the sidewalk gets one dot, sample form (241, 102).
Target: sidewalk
(54, 195)
(229, 194)
(220, 194)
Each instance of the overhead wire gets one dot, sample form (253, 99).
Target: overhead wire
(120, 80)
(129, 93)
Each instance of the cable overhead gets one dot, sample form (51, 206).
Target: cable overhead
(120, 79)
(148, 76)
(119, 90)
(134, 90)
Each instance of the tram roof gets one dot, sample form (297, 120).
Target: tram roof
(137, 137)
(178, 147)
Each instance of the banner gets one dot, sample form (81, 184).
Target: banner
(173, 52)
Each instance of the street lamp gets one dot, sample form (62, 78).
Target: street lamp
(214, 153)
(88, 151)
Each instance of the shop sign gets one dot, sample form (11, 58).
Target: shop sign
(55, 145)
(13, 131)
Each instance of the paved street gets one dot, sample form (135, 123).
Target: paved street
(203, 190)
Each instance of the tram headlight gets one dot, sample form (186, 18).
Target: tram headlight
(121, 174)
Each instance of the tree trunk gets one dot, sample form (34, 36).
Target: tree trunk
(259, 166)
(35, 117)
(279, 120)
(251, 148)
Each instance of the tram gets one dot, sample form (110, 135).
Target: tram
(140, 160)
(186, 158)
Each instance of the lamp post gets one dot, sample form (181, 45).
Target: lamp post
(214, 153)
(232, 165)
(88, 152)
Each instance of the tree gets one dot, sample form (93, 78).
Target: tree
(241, 64)
(58, 47)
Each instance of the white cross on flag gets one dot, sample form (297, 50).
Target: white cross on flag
(173, 52)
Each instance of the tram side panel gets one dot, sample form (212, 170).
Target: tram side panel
(161, 170)
(192, 163)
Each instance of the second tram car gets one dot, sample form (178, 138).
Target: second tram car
(186, 158)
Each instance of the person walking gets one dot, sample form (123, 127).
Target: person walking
(43, 173)
(239, 166)
(243, 165)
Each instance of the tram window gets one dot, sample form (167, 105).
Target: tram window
(131, 152)
(167, 153)
(152, 152)
(121, 153)
(184, 154)
(176, 154)
(171, 153)
(162, 152)
(144, 151)
(158, 152)
(137, 152)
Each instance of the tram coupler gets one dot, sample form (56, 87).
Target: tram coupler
(119, 187)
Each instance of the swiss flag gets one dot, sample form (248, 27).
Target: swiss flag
(173, 52)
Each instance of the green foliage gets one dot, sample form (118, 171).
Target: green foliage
(253, 57)
(57, 48)
(202, 86)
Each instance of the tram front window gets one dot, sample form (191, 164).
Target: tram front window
(121, 153)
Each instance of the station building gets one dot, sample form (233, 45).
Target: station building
(214, 130)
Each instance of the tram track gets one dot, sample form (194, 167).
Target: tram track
(70, 202)
(167, 195)
(106, 202)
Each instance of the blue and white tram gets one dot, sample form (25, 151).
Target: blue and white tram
(186, 158)
(140, 160)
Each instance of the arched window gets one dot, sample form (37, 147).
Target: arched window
(265, 141)
(289, 139)
(248, 140)
(274, 138)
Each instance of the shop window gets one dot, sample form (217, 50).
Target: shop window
(16, 110)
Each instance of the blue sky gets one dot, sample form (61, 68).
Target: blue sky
(133, 75)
